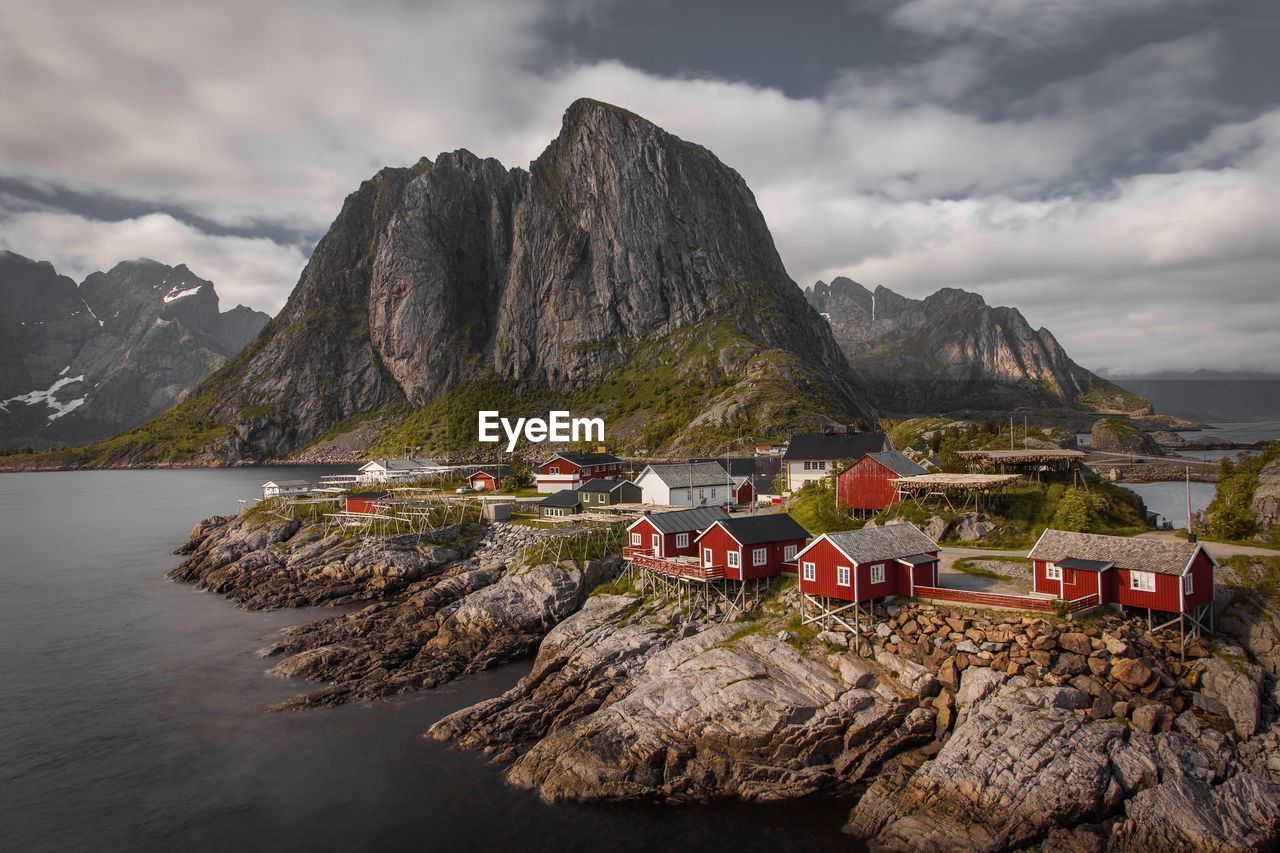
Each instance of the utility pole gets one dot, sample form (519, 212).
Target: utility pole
(1011, 447)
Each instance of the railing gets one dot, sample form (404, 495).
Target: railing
(674, 568)
(993, 599)
(631, 551)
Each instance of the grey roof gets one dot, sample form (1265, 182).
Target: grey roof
(1166, 556)
(755, 529)
(1090, 565)
(891, 542)
(287, 483)
(603, 484)
(918, 559)
(680, 475)
(819, 445)
(738, 466)
(685, 520)
(587, 458)
(898, 464)
(564, 497)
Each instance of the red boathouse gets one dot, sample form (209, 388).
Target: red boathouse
(670, 534)
(759, 546)
(866, 487)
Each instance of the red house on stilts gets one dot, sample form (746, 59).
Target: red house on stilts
(866, 487)
(839, 572)
(1169, 577)
(758, 546)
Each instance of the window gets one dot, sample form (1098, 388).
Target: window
(554, 469)
(713, 494)
(707, 558)
(822, 466)
(1142, 581)
(636, 539)
(733, 559)
(682, 540)
(808, 466)
(602, 498)
(1188, 583)
(877, 573)
(810, 572)
(1053, 571)
(842, 575)
(789, 553)
(759, 556)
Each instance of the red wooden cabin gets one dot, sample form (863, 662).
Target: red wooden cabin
(364, 502)
(868, 564)
(760, 546)
(570, 469)
(867, 487)
(670, 534)
(744, 494)
(1165, 575)
(489, 479)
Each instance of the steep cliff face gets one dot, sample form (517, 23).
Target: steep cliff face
(952, 351)
(83, 363)
(622, 253)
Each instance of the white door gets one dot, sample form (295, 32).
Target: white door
(656, 540)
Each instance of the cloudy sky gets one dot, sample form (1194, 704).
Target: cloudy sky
(1110, 167)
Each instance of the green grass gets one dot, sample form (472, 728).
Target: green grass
(813, 506)
(1230, 513)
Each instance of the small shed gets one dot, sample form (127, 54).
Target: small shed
(608, 491)
(285, 488)
(365, 502)
(867, 486)
(489, 478)
(562, 503)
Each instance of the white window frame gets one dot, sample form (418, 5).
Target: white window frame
(1052, 572)
(554, 469)
(1148, 581)
(708, 558)
(637, 539)
(759, 556)
(809, 571)
(713, 494)
(1189, 584)
(603, 498)
(843, 574)
(789, 553)
(733, 559)
(822, 465)
(682, 540)
(878, 568)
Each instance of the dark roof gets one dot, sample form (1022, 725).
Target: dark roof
(738, 466)
(1090, 565)
(494, 471)
(874, 544)
(898, 464)
(588, 458)
(564, 497)
(1166, 556)
(762, 483)
(918, 559)
(604, 484)
(684, 520)
(755, 529)
(819, 445)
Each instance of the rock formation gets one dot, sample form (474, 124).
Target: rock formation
(953, 351)
(81, 363)
(1117, 435)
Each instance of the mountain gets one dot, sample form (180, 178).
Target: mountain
(626, 274)
(81, 363)
(952, 351)
(1209, 395)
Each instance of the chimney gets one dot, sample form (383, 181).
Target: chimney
(1191, 537)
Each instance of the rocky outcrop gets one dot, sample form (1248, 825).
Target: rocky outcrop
(87, 362)
(952, 351)
(268, 562)
(622, 248)
(1266, 497)
(1116, 435)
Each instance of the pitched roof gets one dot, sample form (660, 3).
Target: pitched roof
(587, 458)
(738, 466)
(291, 484)
(681, 475)
(817, 445)
(898, 464)
(494, 471)
(564, 497)
(603, 484)
(1166, 556)
(683, 520)
(1090, 565)
(755, 529)
(875, 544)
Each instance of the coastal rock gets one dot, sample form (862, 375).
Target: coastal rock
(1237, 685)
(1266, 497)
(1242, 813)
(473, 621)
(1119, 435)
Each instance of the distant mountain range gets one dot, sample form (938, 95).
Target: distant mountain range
(952, 351)
(626, 274)
(80, 363)
(1209, 395)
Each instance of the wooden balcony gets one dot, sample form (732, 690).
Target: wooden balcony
(689, 568)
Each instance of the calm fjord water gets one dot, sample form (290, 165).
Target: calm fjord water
(130, 710)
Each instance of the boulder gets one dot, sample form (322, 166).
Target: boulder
(1075, 642)
(1236, 685)
(1119, 435)
(1131, 672)
(971, 526)
(1266, 497)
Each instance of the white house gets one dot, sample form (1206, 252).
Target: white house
(812, 456)
(685, 484)
(285, 488)
(382, 470)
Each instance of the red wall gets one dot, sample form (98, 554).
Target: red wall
(646, 529)
(745, 493)
(612, 469)
(1076, 583)
(484, 483)
(865, 485)
(826, 557)
(565, 466)
(365, 505)
(720, 543)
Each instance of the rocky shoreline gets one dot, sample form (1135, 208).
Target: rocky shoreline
(933, 728)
